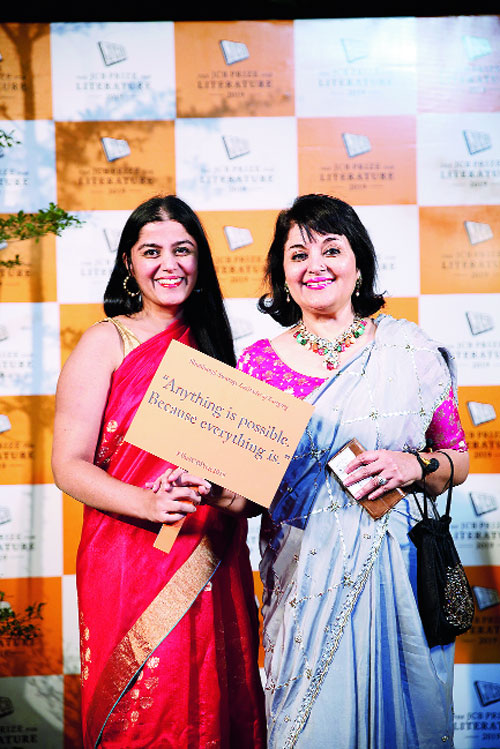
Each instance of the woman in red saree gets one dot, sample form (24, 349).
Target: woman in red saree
(168, 641)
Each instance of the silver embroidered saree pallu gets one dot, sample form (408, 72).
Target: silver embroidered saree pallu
(347, 662)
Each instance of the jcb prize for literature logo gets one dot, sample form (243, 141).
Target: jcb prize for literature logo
(470, 324)
(480, 644)
(236, 163)
(113, 71)
(355, 67)
(239, 241)
(108, 165)
(240, 69)
(479, 409)
(459, 159)
(475, 524)
(459, 64)
(353, 159)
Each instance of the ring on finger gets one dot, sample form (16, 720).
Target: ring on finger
(381, 481)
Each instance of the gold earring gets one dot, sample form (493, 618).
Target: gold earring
(125, 282)
(287, 289)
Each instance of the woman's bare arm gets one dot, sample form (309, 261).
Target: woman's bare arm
(81, 399)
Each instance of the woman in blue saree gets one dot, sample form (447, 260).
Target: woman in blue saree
(346, 659)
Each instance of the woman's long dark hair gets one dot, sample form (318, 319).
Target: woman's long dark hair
(204, 310)
(323, 215)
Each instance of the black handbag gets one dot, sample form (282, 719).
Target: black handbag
(444, 596)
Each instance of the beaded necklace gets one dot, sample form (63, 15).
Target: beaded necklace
(330, 350)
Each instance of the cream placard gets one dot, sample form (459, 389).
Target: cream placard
(219, 423)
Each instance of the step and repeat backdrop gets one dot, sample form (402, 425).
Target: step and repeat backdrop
(398, 116)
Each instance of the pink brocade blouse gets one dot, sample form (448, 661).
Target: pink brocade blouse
(445, 429)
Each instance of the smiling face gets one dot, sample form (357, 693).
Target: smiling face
(320, 270)
(164, 262)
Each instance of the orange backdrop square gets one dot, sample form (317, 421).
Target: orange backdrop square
(386, 175)
(260, 85)
(402, 308)
(25, 71)
(34, 279)
(240, 271)
(74, 320)
(25, 448)
(483, 440)
(72, 529)
(86, 180)
(449, 262)
(482, 643)
(43, 655)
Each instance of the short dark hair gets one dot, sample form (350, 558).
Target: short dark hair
(204, 310)
(322, 214)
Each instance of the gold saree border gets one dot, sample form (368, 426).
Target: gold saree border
(148, 631)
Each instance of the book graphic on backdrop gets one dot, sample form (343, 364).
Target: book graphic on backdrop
(479, 322)
(234, 51)
(235, 146)
(488, 692)
(5, 424)
(481, 413)
(6, 706)
(237, 237)
(485, 597)
(219, 423)
(482, 502)
(5, 516)
(355, 49)
(112, 52)
(115, 148)
(111, 238)
(476, 46)
(477, 141)
(478, 231)
(355, 145)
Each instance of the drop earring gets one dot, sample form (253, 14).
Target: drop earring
(287, 289)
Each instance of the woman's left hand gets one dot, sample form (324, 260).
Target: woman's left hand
(384, 469)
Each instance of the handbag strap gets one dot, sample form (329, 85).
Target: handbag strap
(450, 482)
(425, 513)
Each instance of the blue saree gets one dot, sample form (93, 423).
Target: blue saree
(346, 660)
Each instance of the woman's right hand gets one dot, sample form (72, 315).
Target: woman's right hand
(173, 495)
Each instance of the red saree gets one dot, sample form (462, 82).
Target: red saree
(168, 641)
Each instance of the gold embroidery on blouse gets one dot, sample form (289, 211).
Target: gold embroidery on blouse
(129, 339)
